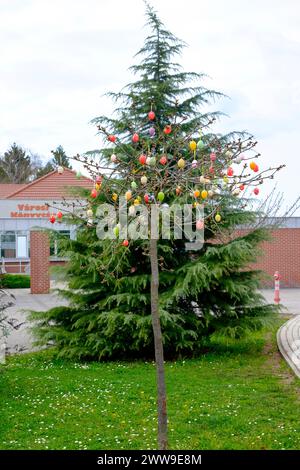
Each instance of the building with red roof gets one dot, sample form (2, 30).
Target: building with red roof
(25, 206)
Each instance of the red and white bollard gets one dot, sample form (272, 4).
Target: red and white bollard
(277, 287)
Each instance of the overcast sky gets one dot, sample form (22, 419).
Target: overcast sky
(58, 57)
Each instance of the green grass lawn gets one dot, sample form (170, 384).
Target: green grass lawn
(241, 397)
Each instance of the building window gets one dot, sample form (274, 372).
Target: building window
(8, 245)
(22, 251)
(55, 250)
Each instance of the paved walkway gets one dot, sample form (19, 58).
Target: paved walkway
(21, 339)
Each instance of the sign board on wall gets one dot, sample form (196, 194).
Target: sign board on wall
(34, 209)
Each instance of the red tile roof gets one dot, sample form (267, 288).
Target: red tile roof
(8, 188)
(51, 186)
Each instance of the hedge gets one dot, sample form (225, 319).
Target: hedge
(15, 281)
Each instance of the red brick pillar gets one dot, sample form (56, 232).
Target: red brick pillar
(39, 262)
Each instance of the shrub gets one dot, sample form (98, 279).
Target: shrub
(15, 281)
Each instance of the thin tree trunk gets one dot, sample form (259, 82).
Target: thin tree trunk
(159, 351)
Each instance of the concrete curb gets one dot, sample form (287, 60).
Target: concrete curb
(288, 341)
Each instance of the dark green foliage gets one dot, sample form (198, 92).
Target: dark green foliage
(16, 165)
(203, 293)
(15, 281)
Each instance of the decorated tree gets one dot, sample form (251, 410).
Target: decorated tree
(161, 153)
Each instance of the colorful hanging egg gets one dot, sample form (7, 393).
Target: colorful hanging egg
(142, 159)
(135, 138)
(163, 160)
(236, 192)
(213, 157)
(210, 193)
(112, 138)
(193, 145)
(113, 158)
(194, 164)
(199, 224)
(256, 191)
(181, 163)
(178, 190)
(148, 160)
(52, 219)
(230, 171)
(136, 202)
(204, 194)
(94, 193)
(128, 195)
(144, 179)
(152, 161)
(160, 196)
(146, 198)
(60, 170)
(97, 186)
(114, 197)
(228, 154)
(252, 165)
(125, 243)
(131, 211)
(200, 144)
(168, 129)
(89, 213)
(218, 218)
(59, 215)
(242, 187)
(116, 230)
(133, 185)
(152, 131)
(196, 193)
(151, 115)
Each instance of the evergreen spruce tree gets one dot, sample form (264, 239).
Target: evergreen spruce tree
(59, 159)
(15, 165)
(124, 297)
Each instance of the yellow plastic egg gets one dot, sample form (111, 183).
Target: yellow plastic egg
(114, 197)
(204, 194)
(218, 218)
(181, 163)
(193, 145)
(97, 186)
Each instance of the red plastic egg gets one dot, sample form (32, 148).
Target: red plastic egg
(230, 171)
(168, 129)
(151, 115)
(112, 138)
(135, 138)
(256, 191)
(59, 215)
(213, 157)
(242, 187)
(211, 170)
(52, 219)
(142, 159)
(163, 160)
(146, 198)
(125, 243)
(94, 193)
